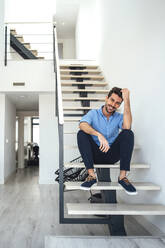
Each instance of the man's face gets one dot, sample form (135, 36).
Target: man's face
(112, 103)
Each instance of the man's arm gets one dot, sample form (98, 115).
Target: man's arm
(104, 145)
(127, 116)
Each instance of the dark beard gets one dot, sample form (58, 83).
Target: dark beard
(108, 111)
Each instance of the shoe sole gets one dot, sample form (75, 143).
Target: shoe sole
(131, 193)
(87, 188)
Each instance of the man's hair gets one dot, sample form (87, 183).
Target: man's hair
(116, 91)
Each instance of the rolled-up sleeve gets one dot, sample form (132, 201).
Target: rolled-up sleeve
(121, 121)
(88, 117)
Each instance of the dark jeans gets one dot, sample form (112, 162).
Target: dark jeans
(121, 149)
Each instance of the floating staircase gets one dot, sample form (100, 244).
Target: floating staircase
(84, 88)
(21, 47)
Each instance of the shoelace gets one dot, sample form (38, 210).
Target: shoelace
(126, 180)
(90, 178)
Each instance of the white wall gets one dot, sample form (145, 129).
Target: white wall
(131, 53)
(1, 32)
(9, 145)
(87, 27)
(48, 139)
(68, 48)
(37, 75)
(2, 136)
(21, 11)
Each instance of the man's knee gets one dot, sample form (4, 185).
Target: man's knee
(81, 135)
(127, 133)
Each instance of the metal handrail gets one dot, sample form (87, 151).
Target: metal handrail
(58, 80)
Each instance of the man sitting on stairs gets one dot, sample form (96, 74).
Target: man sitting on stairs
(100, 141)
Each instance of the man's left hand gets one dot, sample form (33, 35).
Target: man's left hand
(125, 94)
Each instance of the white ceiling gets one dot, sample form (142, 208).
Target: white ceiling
(66, 16)
(24, 101)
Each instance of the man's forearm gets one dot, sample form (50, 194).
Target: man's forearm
(127, 116)
(84, 126)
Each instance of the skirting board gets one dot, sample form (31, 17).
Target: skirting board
(10, 176)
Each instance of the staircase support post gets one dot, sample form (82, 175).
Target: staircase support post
(116, 222)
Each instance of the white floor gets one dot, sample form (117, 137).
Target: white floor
(106, 242)
(29, 212)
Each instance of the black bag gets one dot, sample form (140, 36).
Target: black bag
(95, 198)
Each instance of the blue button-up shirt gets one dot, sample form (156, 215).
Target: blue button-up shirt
(108, 128)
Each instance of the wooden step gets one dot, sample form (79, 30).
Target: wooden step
(72, 119)
(110, 166)
(27, 45)
(114, 209)
(72, 77)
(34, 52)
(20, 38)
(85, 90)
(94, 99)
(13, 32)
(85, 83)
(40, 57)
(79, 65)
(67, 71)
(77, 108)
(112, 186)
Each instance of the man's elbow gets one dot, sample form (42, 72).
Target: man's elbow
(128, 127)
(81, 125)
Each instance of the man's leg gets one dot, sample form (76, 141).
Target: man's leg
(122, 149)
(91, 154)
(88, 148)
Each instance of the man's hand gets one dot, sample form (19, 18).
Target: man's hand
(104, 145)
(125, 94)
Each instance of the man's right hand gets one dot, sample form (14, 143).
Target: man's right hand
(104, 145)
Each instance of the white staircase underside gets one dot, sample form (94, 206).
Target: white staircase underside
(114, 209)
(112, 186)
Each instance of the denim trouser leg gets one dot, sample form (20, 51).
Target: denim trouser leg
(121, 149)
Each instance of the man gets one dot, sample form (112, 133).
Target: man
(100, 142)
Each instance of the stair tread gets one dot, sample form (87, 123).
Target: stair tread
(115, 166)
(84, 90)
(112, 186)
(83, 98)
(79, 65)
(115, 209)
(81, 76)
(72, 118)
(18, 36)
(96, 83)
(85, 70)
(76, 108)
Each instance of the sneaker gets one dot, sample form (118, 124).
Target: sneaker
(88, 183)
(128, 187)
